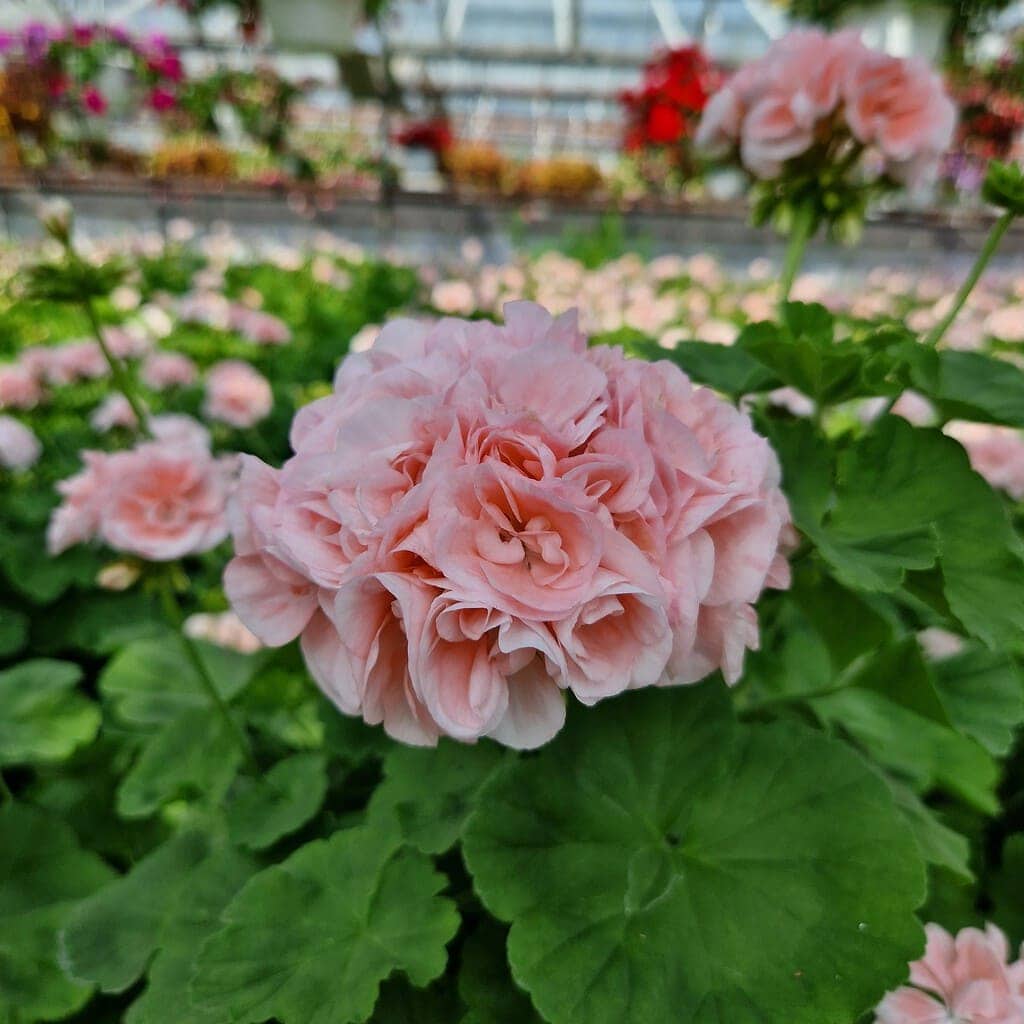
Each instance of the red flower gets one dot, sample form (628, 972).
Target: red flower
(162, 100)
(93, 100)
(665, 125)
(434, 134)
(665, 110)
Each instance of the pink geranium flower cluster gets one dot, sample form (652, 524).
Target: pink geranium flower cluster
(959, 980)
(161, 500)
(481, 517)
(812, 86)
(215, 310)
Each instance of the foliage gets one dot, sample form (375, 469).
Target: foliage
(695, 853)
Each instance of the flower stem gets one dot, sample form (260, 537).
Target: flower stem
(6, 796)
(799, 236)
(122, 379)
(174, 614)
(988, 250)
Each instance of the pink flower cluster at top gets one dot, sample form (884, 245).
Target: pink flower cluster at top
(481, 517)
(812, 86)
(162, 500)
(961, 980)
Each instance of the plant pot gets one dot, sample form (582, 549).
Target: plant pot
(901, 29)
(324, 26)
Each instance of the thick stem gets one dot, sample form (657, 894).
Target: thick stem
(174, 614)
(799, 236)
(984, 257)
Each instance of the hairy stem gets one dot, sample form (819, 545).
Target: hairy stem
(799, 236)
(988, 250)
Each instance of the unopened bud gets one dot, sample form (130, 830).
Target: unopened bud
(56, 215)
(117, 576)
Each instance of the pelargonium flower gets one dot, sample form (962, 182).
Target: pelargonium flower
(19, 387)
(959, 980)
(19, 446)
(161, 370)
(237, 394)
(811, 85)
(482, 517)
(161, 500)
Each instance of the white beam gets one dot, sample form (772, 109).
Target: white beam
(669, 23)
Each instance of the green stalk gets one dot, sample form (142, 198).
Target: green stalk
(984, 257)
(122, 379)
(799, 236)
(174, 614)
(6, 796)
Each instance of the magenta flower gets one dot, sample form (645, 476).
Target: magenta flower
(161, 100)
(94, 101)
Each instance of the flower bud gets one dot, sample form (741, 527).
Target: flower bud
(56, 215)
(117, 576)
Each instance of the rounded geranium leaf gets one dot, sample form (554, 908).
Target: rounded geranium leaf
(310, 940)
(43, 717)
(263, 810)
(43, 873)
(671, 864)
(432, 792)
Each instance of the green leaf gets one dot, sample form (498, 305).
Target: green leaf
(938, 843)
(112, 936)
(725, 368)
(431, 792)
(194, 757)
(43, 580)
(263, 810)
(922, 751)
(73, 281)
(984, 695)
(1004, 186)
(347, 912)
(43, 872)
(803, 353)
(193, 919)
(43, 717)
(485, 984)
(903, 500)
(13, 631)
(669, 864)
(151, 682)
(975, 386)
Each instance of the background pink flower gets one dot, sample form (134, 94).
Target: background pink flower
(19, 447)
(481, 517)
(237, 394)
(161, 500)
(19, 387)
(996, 453)
(162, 370)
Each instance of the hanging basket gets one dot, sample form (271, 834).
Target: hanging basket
(324, 26)
(901, 29)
